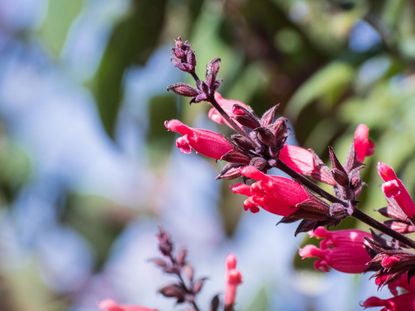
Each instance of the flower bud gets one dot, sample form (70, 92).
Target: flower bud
(233, 280)
(363, 146)
(395, 191)
(183, 89)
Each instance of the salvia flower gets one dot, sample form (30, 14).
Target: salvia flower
(405, 302)
(395, 191)
(208, 143)
(111, 305)
(363, 146)
(233, 280)
(342, 250)
(305, 162)
(275, 194)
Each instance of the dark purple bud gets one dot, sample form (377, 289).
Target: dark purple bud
(230, 171)
(338, 171)
(269, 116)
(191, 60)
(174, 291)
(338, 211)
(265, 136)
(340, 177)
(306, 226)
(198, 285)
(214, 303)
(165, 244)
(314, 205)
(183, 56)
(171, 270)
(259, 163)
(212, 71)
(183, 89)
(235, 156)
(280, 130)
(245, 117)
(199, 98)
(181, 257)
(242, 142)
(161, 263)
(188, 272)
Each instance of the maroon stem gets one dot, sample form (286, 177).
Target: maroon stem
(216, 105)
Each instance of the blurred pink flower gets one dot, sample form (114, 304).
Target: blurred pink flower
(111, 305)
(233, 280)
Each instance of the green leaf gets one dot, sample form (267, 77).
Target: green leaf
(59, 18)
(131, 43)
(260, 301)
(329, 84)
(159, 140)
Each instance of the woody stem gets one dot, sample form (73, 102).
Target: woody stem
(358, 214)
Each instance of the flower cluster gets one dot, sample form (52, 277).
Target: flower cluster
(186, 287)
(260, 143)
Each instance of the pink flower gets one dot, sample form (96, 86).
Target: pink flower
(401, 281)
(363, 146)
(342, 250)
(305, 162)
(111, 305)
(233, 280)
(227, 106)
(277, 195)
(395, 191)
(405, 302)
(208, 143)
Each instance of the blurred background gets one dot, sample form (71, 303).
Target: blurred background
(88, 171)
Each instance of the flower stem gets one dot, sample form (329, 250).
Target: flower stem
(216, 105)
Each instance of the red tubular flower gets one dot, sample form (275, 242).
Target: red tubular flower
(227, 106)
(405, 302)
(363, 146)
(305, 162)
(395, 191)
(233, 280)
(111, 305)
(342, 250)
(401, 281)
(208, 143)
(277, 195)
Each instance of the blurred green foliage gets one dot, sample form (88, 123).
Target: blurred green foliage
(295, 52)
